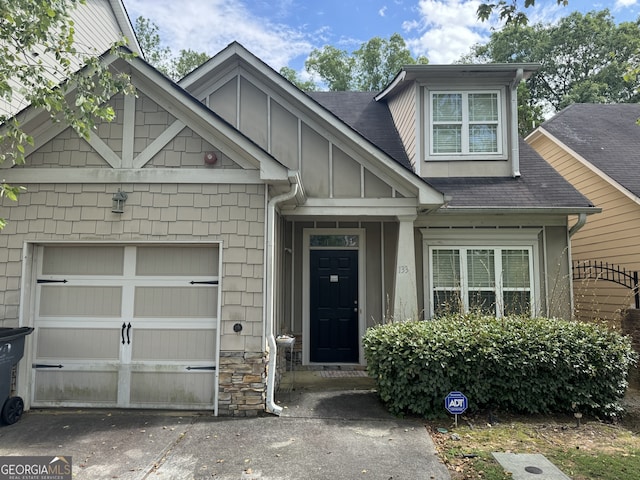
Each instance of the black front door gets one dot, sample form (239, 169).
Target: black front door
(334, 306)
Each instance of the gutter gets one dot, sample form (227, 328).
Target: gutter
(270, 294)
(582, 219)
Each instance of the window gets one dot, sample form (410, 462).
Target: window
(494, 281)
(465, 123)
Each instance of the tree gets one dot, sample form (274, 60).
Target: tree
(371, 67)
(304, 85)
(583, 58)
(161, 57)
(333, 66)
(508, 10)
(41, 65)
(148, 36)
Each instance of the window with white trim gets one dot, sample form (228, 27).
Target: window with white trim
(465, 123)
(495, 280)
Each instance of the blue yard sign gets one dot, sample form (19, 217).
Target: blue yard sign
(456, 403)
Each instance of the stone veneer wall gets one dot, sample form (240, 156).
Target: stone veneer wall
(242, 384)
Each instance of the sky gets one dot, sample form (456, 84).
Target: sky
(284, 32)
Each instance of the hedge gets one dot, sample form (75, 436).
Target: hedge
(512, 364)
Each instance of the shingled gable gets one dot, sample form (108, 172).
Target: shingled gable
(606, 137)
(189, 113)
(363, 136)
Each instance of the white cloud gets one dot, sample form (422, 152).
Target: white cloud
(625, 3)
(210, 26)
(382, 11)
(446, 29)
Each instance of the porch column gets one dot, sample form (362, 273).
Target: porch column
(405, 299)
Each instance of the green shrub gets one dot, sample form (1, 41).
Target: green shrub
(516, 364)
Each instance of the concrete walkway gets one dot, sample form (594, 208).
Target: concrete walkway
(334, 434)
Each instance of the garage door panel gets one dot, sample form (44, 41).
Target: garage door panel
(169, 261)
(73, 343)
(168, 388)
(83, 260)
(86, 301)
(185, 302)
(173, 345)
(126, 326)
(76, 387)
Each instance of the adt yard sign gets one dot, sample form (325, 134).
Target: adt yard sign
(456, 403)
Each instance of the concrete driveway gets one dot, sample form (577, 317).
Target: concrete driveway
(321, 435)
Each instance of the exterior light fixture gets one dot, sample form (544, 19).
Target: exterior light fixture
(118, 201)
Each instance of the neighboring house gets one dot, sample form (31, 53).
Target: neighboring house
(98, 24)
(254, 209)
(597, 148)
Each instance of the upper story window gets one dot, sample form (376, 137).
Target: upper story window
(466, 123)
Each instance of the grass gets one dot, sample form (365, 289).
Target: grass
(588, 451)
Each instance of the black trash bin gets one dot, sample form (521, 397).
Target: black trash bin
(11, 351)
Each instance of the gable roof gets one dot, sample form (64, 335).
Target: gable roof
(187, 109)
(538, 187)
(369, 118)
(606, 136)
(236, 54)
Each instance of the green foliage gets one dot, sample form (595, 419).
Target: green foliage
(583, 58)
(41, 65)
(291, 75)
(508, 10)
(516, 364)
(369, 68)
(161, 57)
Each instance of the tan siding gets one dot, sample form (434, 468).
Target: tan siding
(315, 163)
(294, 139)
(223, 101)
(610, 236)
(231, 214)
(346, 175)
(66, 150)
(253, 113)
(111, 132)
(374, 187)
(151, 121)
(403, 111)
(187, 149)
(284, 135)
(96, 27)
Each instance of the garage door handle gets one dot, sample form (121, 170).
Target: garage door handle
(124, 325)
(128, 336)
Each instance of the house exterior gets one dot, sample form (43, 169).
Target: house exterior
(597, 148)
(98, 24)
(254, 209)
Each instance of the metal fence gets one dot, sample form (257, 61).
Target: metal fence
(583, 269)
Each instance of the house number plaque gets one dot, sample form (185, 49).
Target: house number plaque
(333, 278)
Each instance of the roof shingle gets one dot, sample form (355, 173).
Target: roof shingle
(540, 186)
(607, 136)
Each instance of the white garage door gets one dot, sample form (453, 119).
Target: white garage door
(126, 326)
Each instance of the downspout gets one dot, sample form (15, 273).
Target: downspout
(582, 219)
(515, 147)
(270, 294)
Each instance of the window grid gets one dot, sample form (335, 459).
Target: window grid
(495, 281)
(465, 123)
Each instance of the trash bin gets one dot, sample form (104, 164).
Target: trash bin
(11, 351)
